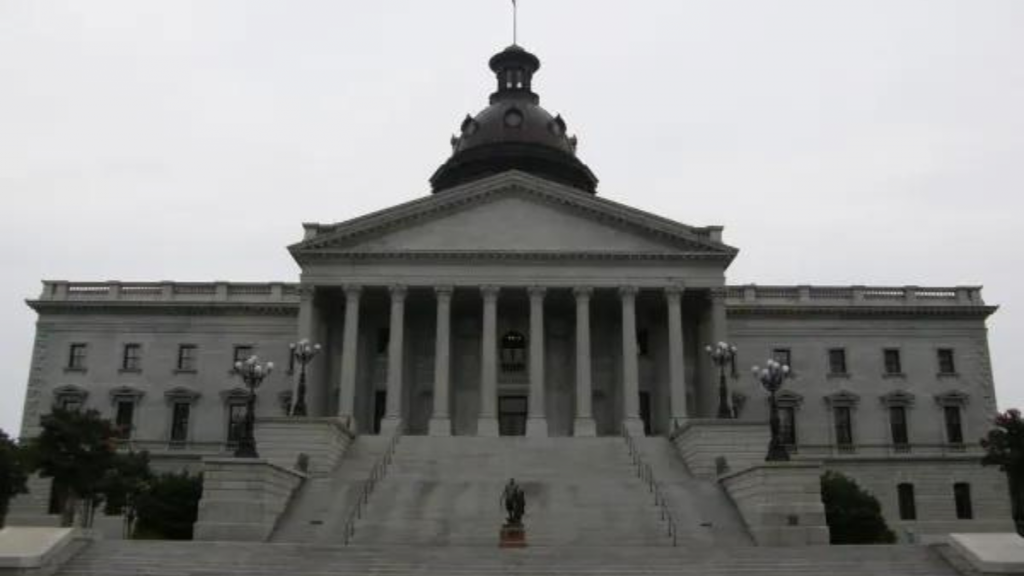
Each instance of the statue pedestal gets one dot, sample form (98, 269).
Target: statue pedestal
(512, 536)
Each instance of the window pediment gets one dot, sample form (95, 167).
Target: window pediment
(897, 398)
(70, 393)
(952, 398)
(126, 393)
(234, 395)
(842, 398)
(789, 399)
(182, 394)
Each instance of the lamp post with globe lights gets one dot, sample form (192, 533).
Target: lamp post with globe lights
(723, 355)
(303, 352)
(771, 378)
(252, 372)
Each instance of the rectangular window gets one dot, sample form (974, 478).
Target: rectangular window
(893, 364)
(187, 357)
(132, 358)
(844, 426)
(242, 353)
(908, 508)
(643, 342)
(236, 422)
(962, 496)
(179, 422)
(383, 340)
(291, 360)
(124, 418)
(898, 425)
(783, 356)
(70, 404)
(787, 425)
(837, 361)
(954, 427)
(946, 364)
(76, 357)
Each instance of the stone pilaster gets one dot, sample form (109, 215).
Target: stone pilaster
(584, 424)
(537, 422)
(396, 356)
(487, 424)
(676, 359)
(440, 420)
(630, 367)
(349, 355)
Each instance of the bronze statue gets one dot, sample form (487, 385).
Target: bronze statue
(514, 500)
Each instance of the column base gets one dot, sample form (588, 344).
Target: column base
(584, 427)
(537, 427)
(388, 426)
(634, 426)
(487, 426)
(677, 423)
(440, 427)
(350, 422)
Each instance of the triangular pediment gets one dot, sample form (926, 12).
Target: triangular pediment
(513, 213)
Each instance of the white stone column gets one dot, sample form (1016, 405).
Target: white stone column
(584, 424)
(349, 355)
(676, 359)
(537, 421)
(396, 359)
(719, 332)
(440, 421)
(307, 329)
(630, 368)
(487, 425)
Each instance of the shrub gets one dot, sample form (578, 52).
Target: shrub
(853, 515)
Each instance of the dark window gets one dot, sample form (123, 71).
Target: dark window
(787, 425)
(242, 353)
(946, 364)
(58, 497)
(69, 404)
(837, 361)
(893, 365)
(179, 422)
(383, 340)
(291, 361)
(908, 508)
(954, 427)
(513, 352)
(642, 342)
(783, 356)
(236, 422)
(898, 425)
(844, 426)
(124, 418)
(962, 496)
(132, 358)
(187, 357)
(76, 357)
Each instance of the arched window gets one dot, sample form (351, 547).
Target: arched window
(513, 352)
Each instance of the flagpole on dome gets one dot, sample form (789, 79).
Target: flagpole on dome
(515, 23)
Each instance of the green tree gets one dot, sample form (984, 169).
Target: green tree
(168, 508)
(853, 515)
(122, 485)
(77, 449)
(1004, 447)
(13, 475)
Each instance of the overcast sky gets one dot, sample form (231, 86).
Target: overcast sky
(857, 142)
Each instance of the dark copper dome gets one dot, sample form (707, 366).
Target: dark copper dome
(514, 133)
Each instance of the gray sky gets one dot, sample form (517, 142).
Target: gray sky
(854, 142)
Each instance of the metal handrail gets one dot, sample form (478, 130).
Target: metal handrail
(377, 474)
(645, 473)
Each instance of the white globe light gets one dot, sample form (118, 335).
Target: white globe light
(270, 366)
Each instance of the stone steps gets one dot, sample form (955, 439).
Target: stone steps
(111, 558)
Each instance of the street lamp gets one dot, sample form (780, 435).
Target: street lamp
(252, 372)
(303, 352)
(723, 355)
(771, 377)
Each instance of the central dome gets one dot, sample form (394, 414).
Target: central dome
(514, 133)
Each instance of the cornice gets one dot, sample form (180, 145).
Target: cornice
(859, 310)
(507, 256)
(285, 309)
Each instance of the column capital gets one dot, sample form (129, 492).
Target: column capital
(352, 291)
(537, 291)
(398, 291)
(717, 294)
(306, 291)
(583, 292)
(490, 292)
(628, 291)
(444, 291)
(674, 291)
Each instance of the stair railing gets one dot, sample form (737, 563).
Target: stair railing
(377, 474)
(646, 474)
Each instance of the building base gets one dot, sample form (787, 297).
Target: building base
(487, 427)
(389, 426)
(634, 426)
(584, 427)
(537, 427)
(440, 427)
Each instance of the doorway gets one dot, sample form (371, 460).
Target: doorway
(512, 411)
(380, 404)
(645, 411)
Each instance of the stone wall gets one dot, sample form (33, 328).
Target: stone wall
(323, 440)
(243, 498)
(702, 442)
(780, 503)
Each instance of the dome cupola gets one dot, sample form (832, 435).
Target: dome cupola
(514, 133)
